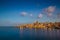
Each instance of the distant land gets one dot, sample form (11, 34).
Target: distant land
(44, 25)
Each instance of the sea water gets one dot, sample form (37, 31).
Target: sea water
(15, 33)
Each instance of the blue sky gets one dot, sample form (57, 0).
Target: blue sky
(14, 12)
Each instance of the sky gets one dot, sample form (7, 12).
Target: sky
(13, 12)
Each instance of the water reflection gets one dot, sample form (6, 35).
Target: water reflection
(13, 33)
(52, 34)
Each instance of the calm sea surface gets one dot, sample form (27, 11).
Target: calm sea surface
(14, 33)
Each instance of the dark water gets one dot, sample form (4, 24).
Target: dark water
(14, 33)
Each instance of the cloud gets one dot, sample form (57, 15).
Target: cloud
(31, 15)
(50, 9)
(23, 13)
(58, 15)
(40, 16)
(50, 14)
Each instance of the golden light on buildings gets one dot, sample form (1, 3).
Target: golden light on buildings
(38, 25)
